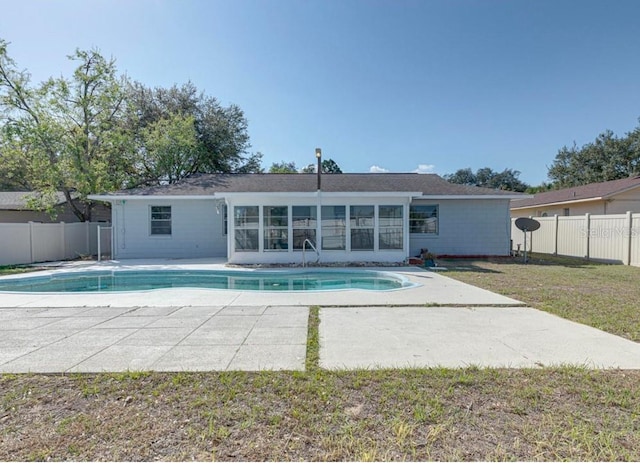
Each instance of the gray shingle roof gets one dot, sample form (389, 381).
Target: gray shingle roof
(582, 192)
(18, 200)
(208, 184)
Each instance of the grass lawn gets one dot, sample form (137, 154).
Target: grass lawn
(18, 269)
(564, 413)
(604, 296)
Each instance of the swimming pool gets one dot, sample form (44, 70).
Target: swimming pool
(272, 281)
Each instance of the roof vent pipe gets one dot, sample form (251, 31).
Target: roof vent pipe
(319, 156)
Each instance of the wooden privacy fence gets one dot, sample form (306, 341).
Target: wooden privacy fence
(609, 237)
(34, 242)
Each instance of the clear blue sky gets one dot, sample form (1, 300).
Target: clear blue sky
(397, 84)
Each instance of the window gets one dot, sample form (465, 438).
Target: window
(304, 220)
(246, 221)
(333, 228)
(362, 223)
(225, 220)
(276, 227)
(566, 211)
(161, 220)
(423, 219)
(390, 227)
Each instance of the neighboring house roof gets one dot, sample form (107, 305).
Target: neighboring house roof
(17, 201)
(208, 184)
(589, 192)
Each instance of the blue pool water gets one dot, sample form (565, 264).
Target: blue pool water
(274, 280)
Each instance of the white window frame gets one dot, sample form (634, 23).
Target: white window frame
(246, 227)
(313, 217)
(356, 225)
(153, 220)
(387, 228)
(270, 230)
(424, 220)
(344, 226)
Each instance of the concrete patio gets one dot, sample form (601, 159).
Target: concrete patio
(440, 322)
(111, 339)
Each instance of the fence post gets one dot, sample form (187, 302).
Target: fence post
(31, 242)
(62, 240)
(555, 234)
(588, 221)
(87, 233)
(626, 248)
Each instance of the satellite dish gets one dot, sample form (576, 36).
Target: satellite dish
(527, 224)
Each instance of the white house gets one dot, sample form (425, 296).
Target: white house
(270, 218)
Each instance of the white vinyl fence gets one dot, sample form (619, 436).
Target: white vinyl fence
(610, 237)
(35, 242)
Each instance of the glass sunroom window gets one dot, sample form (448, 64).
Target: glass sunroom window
(276, 227)
(362, 224)
(333, 221)
(390, 227)
(423, 219)
(246, 220)
(304, 220)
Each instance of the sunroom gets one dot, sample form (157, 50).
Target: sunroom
(317, 227)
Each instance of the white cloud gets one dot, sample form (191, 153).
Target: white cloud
(377, 169)
(425, 169)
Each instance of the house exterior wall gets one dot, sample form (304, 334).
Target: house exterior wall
(477, 227)
(196, 230)
(465, 227)
(628, 201)
(618, 204)
(575, 209)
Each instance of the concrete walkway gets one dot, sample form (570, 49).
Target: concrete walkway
(370, 338)
(205, 338)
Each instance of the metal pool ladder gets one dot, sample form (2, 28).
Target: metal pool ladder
(304, 249)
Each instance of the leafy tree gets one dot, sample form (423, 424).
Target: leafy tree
(283, 167)
(95, 131)
(172, 147)
(220, 132)
(331, 167)
(328, 166)
(462, 176)
(543, 187)
(65, 134)
(486, 177)
(608, 157)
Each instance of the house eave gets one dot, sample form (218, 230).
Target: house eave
(112, 198)
(221, 195)
(471, 197)
(558, 203)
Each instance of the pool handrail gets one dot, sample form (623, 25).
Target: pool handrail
(304, 249)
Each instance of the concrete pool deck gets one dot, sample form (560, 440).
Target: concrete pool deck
(215, 330)
(433, 288)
